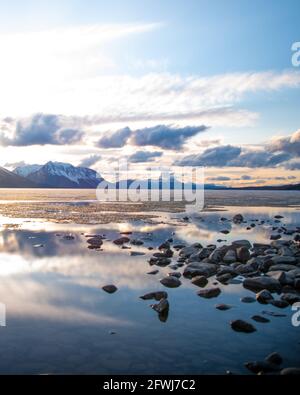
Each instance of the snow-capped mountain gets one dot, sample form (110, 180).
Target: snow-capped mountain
(25, 170)
(9, 179)
(60, 175)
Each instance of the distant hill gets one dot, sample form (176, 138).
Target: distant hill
(60, 175)
(12, 180)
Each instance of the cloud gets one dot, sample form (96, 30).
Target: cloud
(258, 158)
(115, 140)
(292, 165)
(167, 137)
(144, 156)
(289, 144)
(246, 177)
(90, 160)
(219, 178)
(216, 157)
(41, 129)
(15, 164)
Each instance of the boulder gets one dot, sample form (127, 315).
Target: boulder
(242, 326)
(157, 295)
(242, 243)
(199, 281)
(264, 296)
(243, 254)
(261, 283)
(170, 282)
(230, 256)
(209, 292)
(200, 269)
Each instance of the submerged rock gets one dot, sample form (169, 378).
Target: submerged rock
(238, 218)
(290, 372)
(274, 358)
(153, 272)
(248, 299)
(162, 306)
(110, 288)
(121, 240)
(223, 306)
(157, 295)
(259, 318)
(242, 326)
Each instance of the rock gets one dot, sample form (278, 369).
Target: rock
(95, 242)
(290, 298)
(136, 253)
(261, 283)
(243, 254)
(275, 237)
(200, 269)
(153, 272)
(170, 282)
(199, 281)
(290, 372)
(157, 295)
(136, 242)
(242, 243)
(285, 267)
(278, 216)
(164, 246)
(121, 240)
(280, 276)
(186, 252)
(274, 358)
(297, 284)
(209, 292)
(259, 318)
(223, 307)
(162, 306)
(230, 256)
(174, 274)
(224, 278)
(238, 218)
(110, 288)
(264, 296)
(281, 304)
(217, 255)
(261, 367)
(69, 237)
(225, 231)
(273, 314)
(279, 259)
(247, 299)
(242, 326)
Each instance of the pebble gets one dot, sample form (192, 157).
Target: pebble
(110, 288)
(242, 326)
(209, 292)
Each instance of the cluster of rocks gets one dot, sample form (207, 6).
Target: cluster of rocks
(271, 365)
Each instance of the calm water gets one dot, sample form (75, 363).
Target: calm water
(60, 321)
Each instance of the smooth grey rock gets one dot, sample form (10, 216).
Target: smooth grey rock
(200, 269)
(274, 358)
(170, 282)
(238, 218)
(242, 326)
(279, 259)
(281, 304)
(209, 292)
(291, 298)
(262, 282)
(247, 299)
(223, 307)
(243, 254)
(230, 256)
(162, 306)
(264, 296)
(242, 243)
(199, 281)
(157, 295)
(110, 288)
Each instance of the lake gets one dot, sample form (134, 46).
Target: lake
(59, 320)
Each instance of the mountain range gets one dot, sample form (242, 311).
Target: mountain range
(65, 175)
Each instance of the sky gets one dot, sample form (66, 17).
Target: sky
(173, 83)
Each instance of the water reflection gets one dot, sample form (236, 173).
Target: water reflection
(60, 321)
